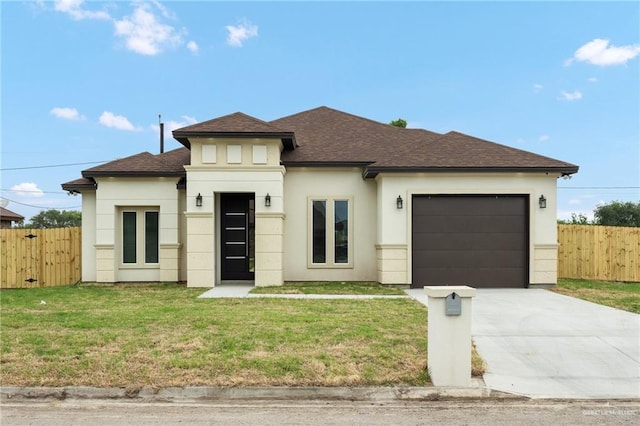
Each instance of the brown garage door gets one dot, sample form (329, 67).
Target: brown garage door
(480, 241)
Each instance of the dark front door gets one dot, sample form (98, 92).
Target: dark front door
(237, 225)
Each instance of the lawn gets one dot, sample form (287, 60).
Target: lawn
(163, 335)
(625, 296)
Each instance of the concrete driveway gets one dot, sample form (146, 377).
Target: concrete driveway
(545, 345)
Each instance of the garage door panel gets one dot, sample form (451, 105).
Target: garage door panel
(444, 241)
(469, 224)
(462, 259)
(481, 278)
(482, 205)
(471, 240)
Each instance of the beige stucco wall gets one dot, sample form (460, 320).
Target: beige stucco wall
(88, 236)
(300, 185)
(252, 174)
(115, 194)
(394, 225)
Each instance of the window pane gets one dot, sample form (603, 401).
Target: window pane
(341, 231)
(151, 237)
(319, 232)
(129, 237)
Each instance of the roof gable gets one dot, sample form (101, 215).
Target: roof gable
(234, 125)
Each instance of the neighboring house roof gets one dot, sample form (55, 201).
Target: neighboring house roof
(232, 126)
(327, 137)
(8, 215)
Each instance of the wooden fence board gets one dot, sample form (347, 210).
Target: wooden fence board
(605, 253)
(52, 258)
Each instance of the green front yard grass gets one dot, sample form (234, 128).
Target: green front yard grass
(163, 335)
(625, 296)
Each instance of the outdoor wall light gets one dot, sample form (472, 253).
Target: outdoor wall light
(542, 202)
(198, 200)
(267, 200)
(399, 202)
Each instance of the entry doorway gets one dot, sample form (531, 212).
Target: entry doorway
(237, 230)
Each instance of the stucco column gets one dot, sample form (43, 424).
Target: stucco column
(269, 256)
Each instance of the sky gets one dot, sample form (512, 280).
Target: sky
(84, 82)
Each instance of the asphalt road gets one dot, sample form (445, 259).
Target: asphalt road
(457, 412)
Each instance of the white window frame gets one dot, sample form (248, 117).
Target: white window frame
(330, 233)
(141, 218)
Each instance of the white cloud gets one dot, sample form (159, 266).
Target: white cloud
(544, 138)
(592, 80)
(240, 33)
(74, 8)
(537, 87)
(599, 52)
(171, 125)
(67, 113)
(119, 122)
(570, 96)
(575, 201)
(193, 47)
(144, 34)
(520, 141)
(27, 189)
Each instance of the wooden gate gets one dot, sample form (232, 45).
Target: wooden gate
(40, 257)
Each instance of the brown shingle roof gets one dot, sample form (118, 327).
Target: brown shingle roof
(7, 214)
(325, 136)
(144, 164)
(79, 185)
(233, 125)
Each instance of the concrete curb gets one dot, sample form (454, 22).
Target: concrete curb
(210, 393)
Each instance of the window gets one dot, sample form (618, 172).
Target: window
(140, 236)
(330, 233)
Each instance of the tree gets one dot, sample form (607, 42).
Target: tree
(55, 219)
(400, 122)
(576, 219)
(618, 213)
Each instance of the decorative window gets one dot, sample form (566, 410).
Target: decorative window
(331, 234)
(140, 236)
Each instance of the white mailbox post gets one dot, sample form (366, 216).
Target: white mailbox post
(449, 334)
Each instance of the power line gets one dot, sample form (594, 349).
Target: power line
(35, 191)
(49, 166)
(42, 207)
(599, 187)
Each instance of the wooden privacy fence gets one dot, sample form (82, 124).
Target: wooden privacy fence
(40, 257)
(52, 257)
(604, 253)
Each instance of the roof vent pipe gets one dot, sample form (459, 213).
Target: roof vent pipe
(161, 133)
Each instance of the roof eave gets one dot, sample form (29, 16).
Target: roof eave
(132, 174)
(78, 188)
(288, 138)
(371, 172)
(326, 163)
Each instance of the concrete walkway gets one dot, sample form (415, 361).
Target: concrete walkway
(242, 290)
(541, 344)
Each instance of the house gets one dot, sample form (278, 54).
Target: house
(322, 195)
(7, 217)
